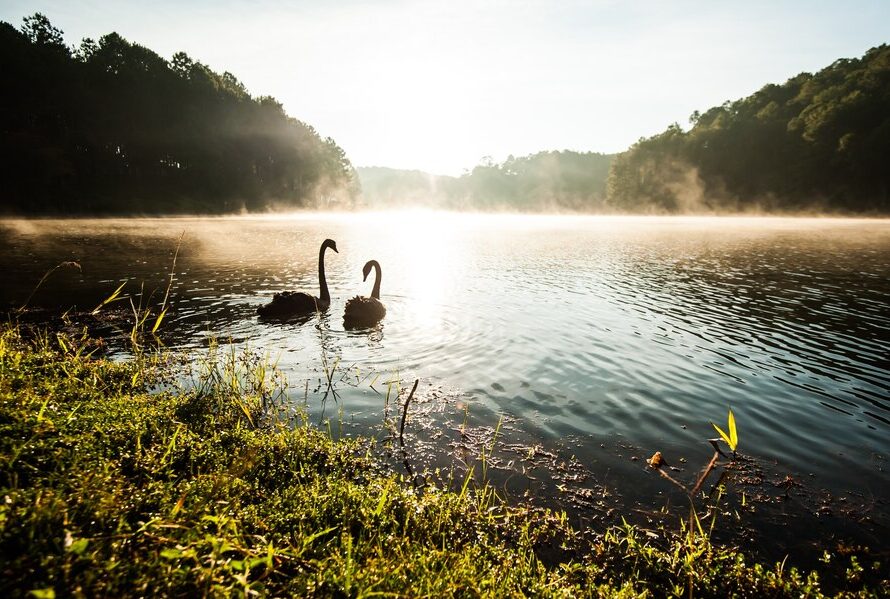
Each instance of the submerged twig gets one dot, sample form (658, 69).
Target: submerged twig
(671, 479)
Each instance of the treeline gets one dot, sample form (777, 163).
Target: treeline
(816, 142)
(111, 127)
(546, 181)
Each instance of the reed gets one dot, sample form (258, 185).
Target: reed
(60, 265)
(141, 306)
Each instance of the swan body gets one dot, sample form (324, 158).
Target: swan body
(288, 304)
(366, 311)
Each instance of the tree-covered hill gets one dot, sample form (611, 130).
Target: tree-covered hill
(111, 127)
(816, 142)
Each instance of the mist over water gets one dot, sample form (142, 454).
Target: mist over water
(599, 338)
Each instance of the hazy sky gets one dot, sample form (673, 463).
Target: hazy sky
(438, 85)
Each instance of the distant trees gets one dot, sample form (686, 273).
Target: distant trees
(113, 127)
(546, 181)
(817, 141)
(383, 187)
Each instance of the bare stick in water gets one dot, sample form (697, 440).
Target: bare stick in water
(704, 474)
(405, 414)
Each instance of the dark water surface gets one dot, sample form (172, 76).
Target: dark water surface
(593, 340)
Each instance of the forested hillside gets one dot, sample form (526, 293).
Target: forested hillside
(111, 127)
(817, 142)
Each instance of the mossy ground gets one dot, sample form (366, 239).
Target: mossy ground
(108, 489)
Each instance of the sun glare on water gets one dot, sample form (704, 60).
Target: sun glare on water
(432, 252)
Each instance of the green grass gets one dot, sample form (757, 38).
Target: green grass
(107, 489)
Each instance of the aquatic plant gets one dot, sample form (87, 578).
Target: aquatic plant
(696, 539)
(731, 439)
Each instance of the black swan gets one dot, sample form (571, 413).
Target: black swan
(365, 311)
(296, 303)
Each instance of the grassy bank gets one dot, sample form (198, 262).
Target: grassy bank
(108, 489)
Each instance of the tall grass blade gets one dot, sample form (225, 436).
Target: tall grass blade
(66, 264)
(158, 321)
(164, 306)
(732, 439)
(115, 296)
(733, 434)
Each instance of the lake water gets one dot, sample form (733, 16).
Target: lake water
(594, 341)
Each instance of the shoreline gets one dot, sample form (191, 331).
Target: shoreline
(110, 487)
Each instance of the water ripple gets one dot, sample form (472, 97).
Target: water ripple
(574, 327)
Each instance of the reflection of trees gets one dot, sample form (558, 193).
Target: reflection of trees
(113, 127)
(815, 141)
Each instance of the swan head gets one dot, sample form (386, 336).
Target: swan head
(330, 243)
(366, 271)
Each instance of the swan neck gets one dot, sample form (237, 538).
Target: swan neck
(375, 293)
(324, 296)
